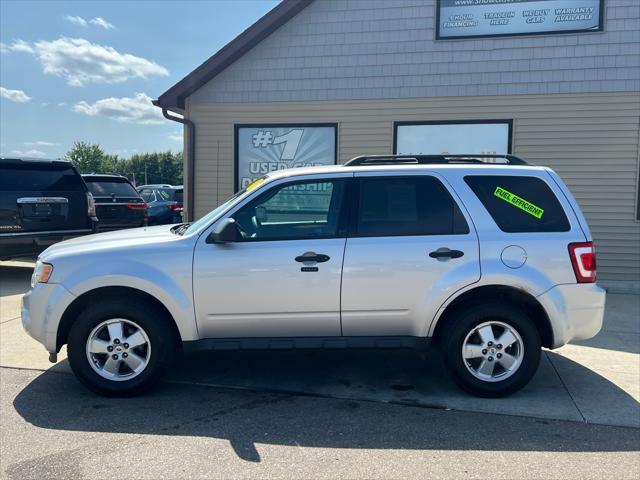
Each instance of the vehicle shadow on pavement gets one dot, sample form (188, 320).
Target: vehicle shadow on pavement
(343, 399)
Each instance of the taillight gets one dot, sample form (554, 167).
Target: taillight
(583, 259)
(175, 207)
(91, 205)
(137, 206)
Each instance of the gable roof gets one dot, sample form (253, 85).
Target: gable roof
(232, 51)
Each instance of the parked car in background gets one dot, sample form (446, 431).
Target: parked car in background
(118, 204)
(164, 201)
(41, 202)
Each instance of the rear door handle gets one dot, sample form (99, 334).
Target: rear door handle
(313, 257)
(446, 253)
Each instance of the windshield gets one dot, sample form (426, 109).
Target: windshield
(197, 225)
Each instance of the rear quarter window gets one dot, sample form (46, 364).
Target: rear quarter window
(519, 204)
(164, 195)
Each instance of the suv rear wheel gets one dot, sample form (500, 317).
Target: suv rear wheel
(120, 347)
(491, 350)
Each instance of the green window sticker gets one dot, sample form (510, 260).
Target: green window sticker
(518, 202)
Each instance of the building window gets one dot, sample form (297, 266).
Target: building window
(453, 137)
(260, 149)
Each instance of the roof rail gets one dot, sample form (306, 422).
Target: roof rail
(482, 159)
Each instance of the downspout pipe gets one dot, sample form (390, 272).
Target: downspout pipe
(190, 159)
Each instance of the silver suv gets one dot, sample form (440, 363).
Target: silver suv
(486, 257)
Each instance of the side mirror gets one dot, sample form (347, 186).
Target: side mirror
(226, 232)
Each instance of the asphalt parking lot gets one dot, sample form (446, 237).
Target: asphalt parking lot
(323, 414)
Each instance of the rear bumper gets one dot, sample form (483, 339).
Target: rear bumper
(42, 309)
(22, 244)
(576, 311)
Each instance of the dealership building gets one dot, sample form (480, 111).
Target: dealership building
(555, 82)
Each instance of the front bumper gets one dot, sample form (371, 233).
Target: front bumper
(576, 311)
(42, 310)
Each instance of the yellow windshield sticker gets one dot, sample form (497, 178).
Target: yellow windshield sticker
(518, 202)
(255, 184)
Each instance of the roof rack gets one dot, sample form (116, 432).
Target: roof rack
(481, 159)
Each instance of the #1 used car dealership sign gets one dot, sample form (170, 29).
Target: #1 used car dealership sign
(487, 18)
(261, 149)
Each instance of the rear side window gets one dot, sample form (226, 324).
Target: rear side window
(39, 178)
(164, 195)
(148, 195)
(178, 196)
(520, 204)
(108, 188)
(407, 206)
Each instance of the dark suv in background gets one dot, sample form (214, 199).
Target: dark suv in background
(164, 201)
(118, 204)
(41, 202)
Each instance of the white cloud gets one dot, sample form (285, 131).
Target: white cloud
(76, 20)
(14, 95)
(101, 22)
(80, 61)
(19, 46)
(4, 47)
(62, 104)
(28, 153)
(41, 143)
(175, 136)
(98, 21)
(136, 109)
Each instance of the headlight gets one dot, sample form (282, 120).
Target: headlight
(41, 273)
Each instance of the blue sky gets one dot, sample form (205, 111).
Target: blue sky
(85, 70)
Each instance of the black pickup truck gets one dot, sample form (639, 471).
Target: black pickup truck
(41, 202)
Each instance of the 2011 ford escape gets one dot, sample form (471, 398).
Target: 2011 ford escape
(489, 258)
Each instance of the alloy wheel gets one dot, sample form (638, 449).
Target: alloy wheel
(492, 351)
(118, 349)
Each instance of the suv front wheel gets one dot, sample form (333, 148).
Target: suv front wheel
(491, 350)
(120, 347)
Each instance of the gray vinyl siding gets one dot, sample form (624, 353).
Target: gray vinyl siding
(591, 140)
(372, 49)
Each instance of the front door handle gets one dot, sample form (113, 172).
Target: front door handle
(446, 253)
(313, 257)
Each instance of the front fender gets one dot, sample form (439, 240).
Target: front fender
(171, 287)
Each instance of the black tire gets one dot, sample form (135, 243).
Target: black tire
(156, 325)
(463, 322)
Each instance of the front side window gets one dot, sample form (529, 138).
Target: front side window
(407, 206)
(293, 211)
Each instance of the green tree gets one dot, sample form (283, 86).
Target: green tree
(87, 157)
(152, 167)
